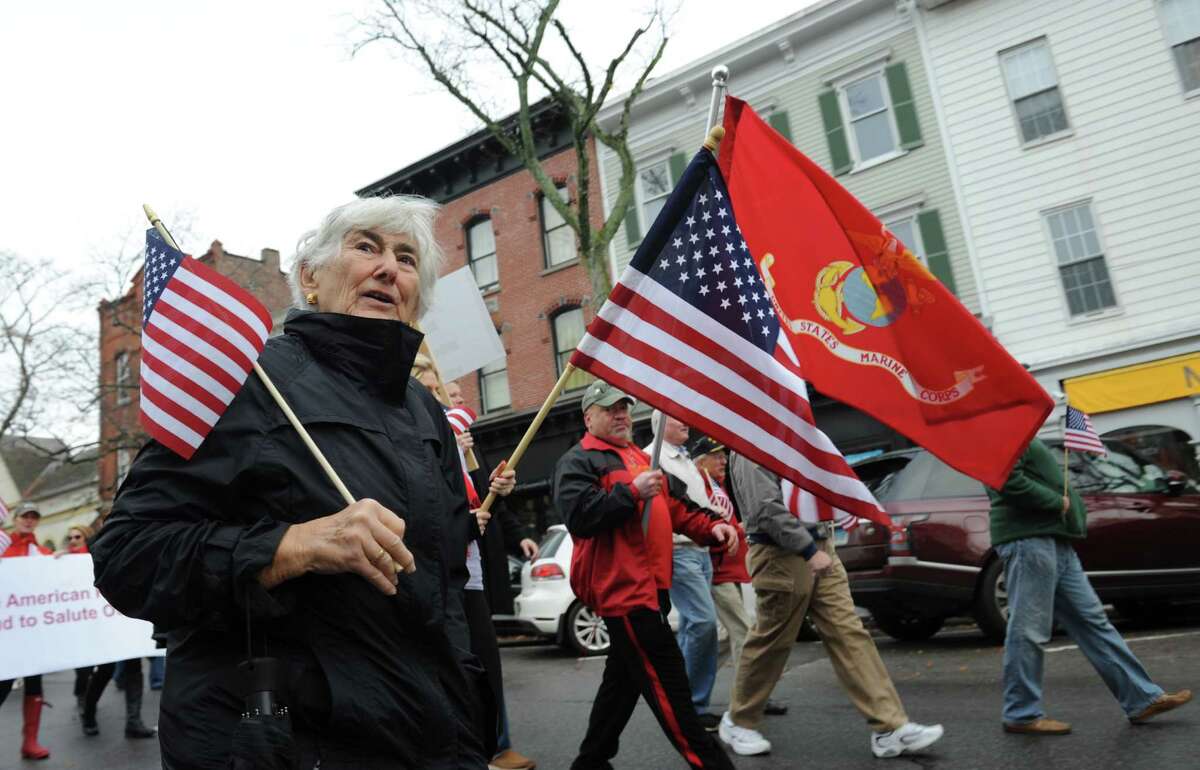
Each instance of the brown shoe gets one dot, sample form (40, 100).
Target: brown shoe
(1041, 726)
(511, 760)
(1165, 702)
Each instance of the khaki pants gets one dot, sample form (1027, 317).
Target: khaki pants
(731, 611)
(783, 582)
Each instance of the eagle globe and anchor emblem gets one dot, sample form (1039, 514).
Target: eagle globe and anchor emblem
(876, 294)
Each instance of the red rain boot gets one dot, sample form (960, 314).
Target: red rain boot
(30, 748)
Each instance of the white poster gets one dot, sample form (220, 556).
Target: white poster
(53, 619)
(458, 327)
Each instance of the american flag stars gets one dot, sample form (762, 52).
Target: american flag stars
(726, 257)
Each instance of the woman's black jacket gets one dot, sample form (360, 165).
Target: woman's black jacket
(186, 539)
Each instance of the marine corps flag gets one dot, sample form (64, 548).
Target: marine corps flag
(872, 327)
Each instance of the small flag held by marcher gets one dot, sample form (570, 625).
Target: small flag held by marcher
(201, 335)
(460, 418)
(5, 540)
(690, 329)
(811, 509)
(1080, 435)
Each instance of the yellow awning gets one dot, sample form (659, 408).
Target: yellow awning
(1148, 383)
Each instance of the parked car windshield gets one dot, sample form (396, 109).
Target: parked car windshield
(919, 476)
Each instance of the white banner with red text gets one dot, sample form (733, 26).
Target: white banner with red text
(53, 619)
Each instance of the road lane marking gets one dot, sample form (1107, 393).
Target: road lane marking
(1132, 639)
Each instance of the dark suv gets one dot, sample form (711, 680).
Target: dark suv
(1142, 548)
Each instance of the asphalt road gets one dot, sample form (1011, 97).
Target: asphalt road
(952, 679)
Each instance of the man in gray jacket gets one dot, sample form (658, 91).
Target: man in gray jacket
(787, 557)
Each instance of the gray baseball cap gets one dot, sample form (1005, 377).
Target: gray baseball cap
(601, 393)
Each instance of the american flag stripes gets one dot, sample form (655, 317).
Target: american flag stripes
(1080, 435)
(201, 334)
(460, 418)
(810, 509)
(690, 328)
(5, 540)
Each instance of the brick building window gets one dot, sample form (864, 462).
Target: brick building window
(124, 460)
(558, 239)
(493, 386)
(123, 379)
(1033, 88)
(481, 253)
(568, 331)
(1081, 263)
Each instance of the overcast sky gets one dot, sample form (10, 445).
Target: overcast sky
(249, 114)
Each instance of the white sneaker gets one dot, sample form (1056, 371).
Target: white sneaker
(742, 740)
(906, 739)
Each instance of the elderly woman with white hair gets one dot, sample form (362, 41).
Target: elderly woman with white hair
(246, 550)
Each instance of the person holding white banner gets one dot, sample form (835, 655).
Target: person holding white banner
(24, 543)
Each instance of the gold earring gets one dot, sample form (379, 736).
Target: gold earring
(311, 298)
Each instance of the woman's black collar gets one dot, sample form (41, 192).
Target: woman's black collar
(373, 351)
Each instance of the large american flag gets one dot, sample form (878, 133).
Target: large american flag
(201, 334)
(1080, 435)
(690, 329)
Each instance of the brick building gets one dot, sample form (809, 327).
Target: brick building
(120, 353)
(526, 264)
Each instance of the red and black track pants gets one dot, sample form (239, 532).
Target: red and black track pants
(644, 661)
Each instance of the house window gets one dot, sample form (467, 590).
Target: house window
(1080, 259)
(654, 185)
(493, 386)
(568, 331)
(1181, 22)
(481, 253)
(867, 107)
(558, 239)
(1033, 88)
(124, 379)
(910, 235)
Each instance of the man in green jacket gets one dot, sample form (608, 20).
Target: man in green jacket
(1033, 525)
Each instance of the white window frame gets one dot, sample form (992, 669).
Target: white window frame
(548, 264)
(1117, 308)
(902, 211)
(874, 68)
(124, 462)
(123, 377)
(663, 157)
(483, 375)
(1195, 92)
(471, 258)
(1002, 56)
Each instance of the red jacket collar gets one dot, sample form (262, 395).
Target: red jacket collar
(592, 442)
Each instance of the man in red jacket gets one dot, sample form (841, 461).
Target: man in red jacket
(620, 514)
(24, 543)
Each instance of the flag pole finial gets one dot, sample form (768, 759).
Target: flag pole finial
(713, 140)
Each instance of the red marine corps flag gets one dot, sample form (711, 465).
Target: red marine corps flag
(201, 334)
(871, 326)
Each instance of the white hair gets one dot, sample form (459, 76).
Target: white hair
(412, 215)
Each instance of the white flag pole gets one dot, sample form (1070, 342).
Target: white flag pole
(275, 394)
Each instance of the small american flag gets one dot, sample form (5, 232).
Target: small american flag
(460, 418)
(690, 328)
(201, 334)
(1080, 435)
(810, 509)
(5, 540)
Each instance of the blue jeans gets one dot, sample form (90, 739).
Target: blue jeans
(1046, 582)
(691, 594)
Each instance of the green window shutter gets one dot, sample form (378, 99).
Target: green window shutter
(835, 132)
(632, 235)
(902, 103)
(779, 121)
(678, 163)
(930, 224)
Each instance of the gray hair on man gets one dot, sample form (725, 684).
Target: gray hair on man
(409, 214)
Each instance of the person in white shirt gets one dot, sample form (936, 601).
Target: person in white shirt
(691, 578)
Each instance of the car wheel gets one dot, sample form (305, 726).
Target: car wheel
(584, 631)
(991, 602)
(908, 628)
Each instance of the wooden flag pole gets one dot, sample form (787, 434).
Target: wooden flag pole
(539, 418)
(275, 394)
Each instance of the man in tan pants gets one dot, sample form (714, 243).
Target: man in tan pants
(795, 570)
